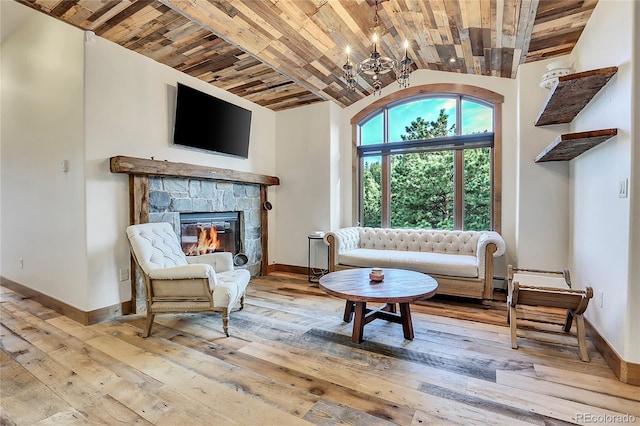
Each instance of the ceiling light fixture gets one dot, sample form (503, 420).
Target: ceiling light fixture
(376, 65)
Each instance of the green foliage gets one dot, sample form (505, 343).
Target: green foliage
(422, 184)
(422, 190)
(372, 194)
(422, 129)
(477, 189)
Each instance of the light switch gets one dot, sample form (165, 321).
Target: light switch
(622, 188)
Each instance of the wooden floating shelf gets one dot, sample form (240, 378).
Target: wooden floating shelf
(570, 145)
(571, 94)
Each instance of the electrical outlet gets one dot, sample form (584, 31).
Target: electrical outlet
(124, 274)
(21, 263)
(600, 299)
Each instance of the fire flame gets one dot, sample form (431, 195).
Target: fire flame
(207, 242)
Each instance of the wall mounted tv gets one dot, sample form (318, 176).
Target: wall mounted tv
(206, 122)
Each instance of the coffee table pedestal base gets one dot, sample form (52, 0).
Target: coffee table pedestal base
(361, 315)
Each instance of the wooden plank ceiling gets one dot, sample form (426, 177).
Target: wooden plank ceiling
(286, 53)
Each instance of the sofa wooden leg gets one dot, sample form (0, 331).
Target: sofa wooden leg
(514, 329)
(147, 329)
(241, 302)
(225, 321)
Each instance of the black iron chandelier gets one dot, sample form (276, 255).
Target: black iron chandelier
(376, 65)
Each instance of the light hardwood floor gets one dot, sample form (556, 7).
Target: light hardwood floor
(290, 360)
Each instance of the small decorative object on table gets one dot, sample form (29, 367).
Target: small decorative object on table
(376, 274)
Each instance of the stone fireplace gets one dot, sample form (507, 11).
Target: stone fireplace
(192, 205)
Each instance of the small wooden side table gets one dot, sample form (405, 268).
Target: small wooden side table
(534, 287)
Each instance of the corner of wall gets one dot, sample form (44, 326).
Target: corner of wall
(542, 189)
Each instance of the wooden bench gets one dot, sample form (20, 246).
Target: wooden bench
(533, 287)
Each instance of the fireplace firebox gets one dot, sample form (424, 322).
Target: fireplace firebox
(209, 232)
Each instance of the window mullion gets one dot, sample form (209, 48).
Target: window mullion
(458, 172)
(386, 175)
(386, 191)
(458, 189)
(458, 115)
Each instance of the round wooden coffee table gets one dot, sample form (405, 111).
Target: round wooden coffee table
(399, 286)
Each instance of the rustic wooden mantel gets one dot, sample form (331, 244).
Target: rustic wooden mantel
(139, 170)
(143, 166)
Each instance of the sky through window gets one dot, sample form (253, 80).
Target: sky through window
(476, 118)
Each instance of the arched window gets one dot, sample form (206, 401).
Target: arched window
(430, 159)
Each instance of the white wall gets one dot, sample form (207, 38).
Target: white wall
(503, 86)
(304, 155)
(12, 15)
(542, 206)
(43, 218)
(337, 182)
(1, 39)
(633, 308)
(601, 221)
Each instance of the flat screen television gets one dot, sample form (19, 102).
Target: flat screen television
(208, 123)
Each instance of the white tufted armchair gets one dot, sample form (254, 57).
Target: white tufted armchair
(176, 283)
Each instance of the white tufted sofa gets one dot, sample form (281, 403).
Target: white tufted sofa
(176, 283)
(461, 261)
